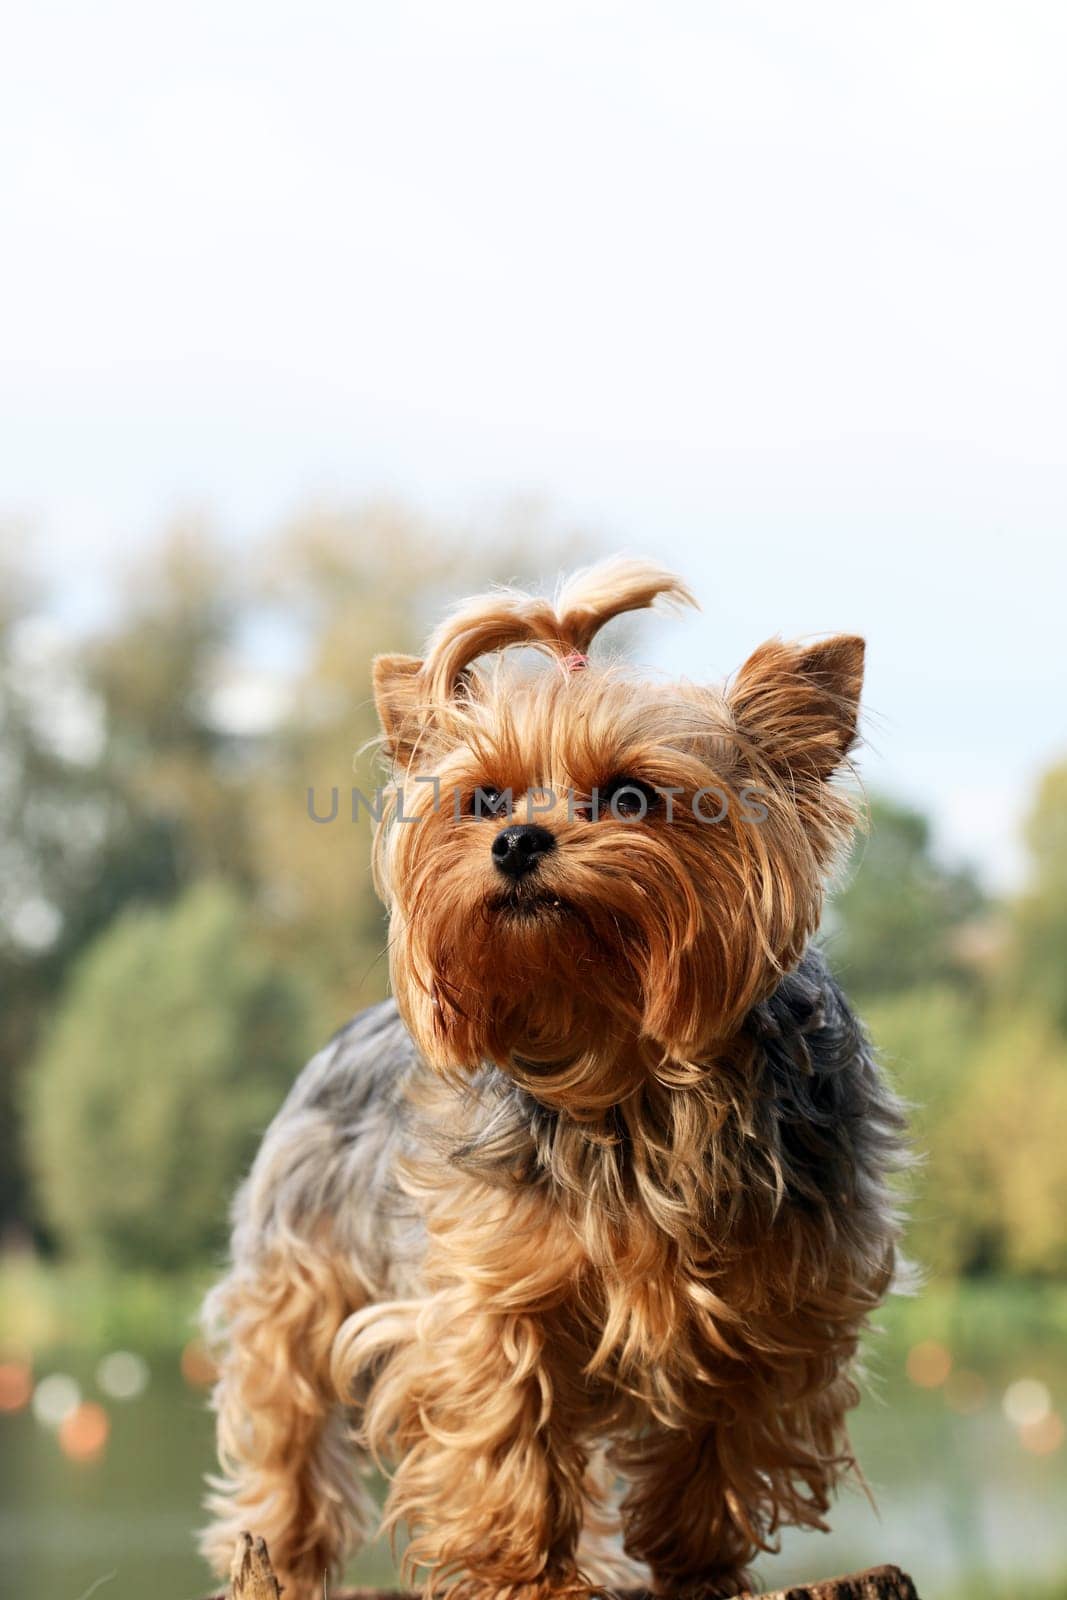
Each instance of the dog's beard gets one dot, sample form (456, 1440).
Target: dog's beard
(577, 1003)
(531, 981)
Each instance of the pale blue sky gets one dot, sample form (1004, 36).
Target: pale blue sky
(773, 291)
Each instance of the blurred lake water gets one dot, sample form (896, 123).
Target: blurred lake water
(963, 1502)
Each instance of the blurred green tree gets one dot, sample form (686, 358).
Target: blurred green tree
(988, 1092)
(154, 671)
(1010, 1143)
(1038, 966)
(927, 1038)
(895, 922)
(172, 1049)
(73, 850)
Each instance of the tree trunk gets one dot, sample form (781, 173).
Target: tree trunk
(252, 1578)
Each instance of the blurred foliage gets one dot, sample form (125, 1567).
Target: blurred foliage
(968, 1006)
(73, 848)
(893, 923)
(1039, 965)
(165, 897)
(988, 1088)
(53, 1306)
(153, 673)
(1010, 1146)
(172, 1049)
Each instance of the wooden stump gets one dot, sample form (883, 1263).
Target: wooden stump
(251, 1574)
(252, 1578)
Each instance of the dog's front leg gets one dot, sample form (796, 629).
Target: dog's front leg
(682, 1516)
(291, 1471)
(475, 1402)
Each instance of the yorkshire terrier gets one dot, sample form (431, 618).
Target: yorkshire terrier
(579, 1233)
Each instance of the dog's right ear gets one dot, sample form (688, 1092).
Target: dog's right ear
(399, 695)
(799, 704)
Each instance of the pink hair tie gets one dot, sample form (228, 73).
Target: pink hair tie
(575, 661)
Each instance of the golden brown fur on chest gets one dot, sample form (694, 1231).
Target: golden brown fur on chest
(672, 1297)
(549, 1328)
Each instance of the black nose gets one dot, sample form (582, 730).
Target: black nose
(517, 850)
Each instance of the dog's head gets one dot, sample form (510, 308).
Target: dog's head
(586, 871)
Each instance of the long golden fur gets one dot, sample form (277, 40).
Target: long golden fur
(607, 1202)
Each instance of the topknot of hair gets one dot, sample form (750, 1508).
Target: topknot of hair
(563, 627)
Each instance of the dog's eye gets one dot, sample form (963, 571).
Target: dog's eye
(625, 797)
(490, 802)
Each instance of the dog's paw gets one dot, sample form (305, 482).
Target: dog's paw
(565, 1584)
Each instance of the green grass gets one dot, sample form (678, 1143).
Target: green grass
(987, 1323)
(44, 1307)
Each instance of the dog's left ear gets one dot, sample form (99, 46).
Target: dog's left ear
(799, 705)
(399, 697)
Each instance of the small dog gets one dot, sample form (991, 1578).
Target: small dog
(603, 1198)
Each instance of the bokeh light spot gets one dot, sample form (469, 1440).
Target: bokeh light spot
(83, 1433)
(1026, 1401)
(16, 1385)
(929, 1363)
(198, 1369)
(1043, 1437)
(54, 1398)
(122, 1375)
